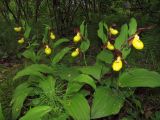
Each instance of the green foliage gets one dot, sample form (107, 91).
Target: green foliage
(59, 42)
(1, 113)
(82, 28)
(27, 31)
(82, 78)
(78, 107)
(138, 77)
(73, 87)
(101, 32)
(19, 96)
(94, 71)
(35, 70)
(105, 56)
(45, 36)
(60, 55)
(30, 54)
(106, 103)
(48, 87)
(36, 113)
(132, 26)
(85, 45)
(123, 36)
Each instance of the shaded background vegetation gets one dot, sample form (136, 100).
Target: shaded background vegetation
(64, 17)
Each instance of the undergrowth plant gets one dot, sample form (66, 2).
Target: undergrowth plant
(55, 87)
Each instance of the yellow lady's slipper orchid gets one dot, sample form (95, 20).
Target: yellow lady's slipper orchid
(21, 41)
(77, 38)
(117, 64)
(110, 46)
(17, 29)
(75, 53)
(52, 36)
(47, 50)
(113, 31)
(137, 43)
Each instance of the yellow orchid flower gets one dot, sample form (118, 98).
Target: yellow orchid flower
(17, 29)
(52, 36)
(137, 43)
(21, 41)
(47, 50)
(117, 64)
(75, 53)
(110, 46)
(77, 38)
(113, 31)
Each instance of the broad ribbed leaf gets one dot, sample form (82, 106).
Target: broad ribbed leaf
(94, 71)
(66, 73)
(48, 86)
(78, 107)
(60, 55)
(101, 33)
(1, 113)
(45, 36)
(20, 94)
(125, 52)
(105, 103)
(82, 28)
(60, 41)
(132, 26)
(29, 54)
(35, 70)
(82, 78)
(84, 45)
(139, 77)
(73, 87)
(122, 38)
(27, 31)
(36, 113)
(105, 56)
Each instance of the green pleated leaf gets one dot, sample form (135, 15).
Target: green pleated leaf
(122, 38)
(78, 107)
(125, 52)
(36, 113)
(45, 36)
(84, 45)
(101, 34)
(82, 78)
(35, 70)
(139, 77)
(105, 56)
(95, 71)
(73, 87)
(82, 28)
(48, 86)
(19, 96)
(1, 113)
(66, 73)
(29, 54)
(132, 26)
(60, 41)
(105, 103)
(27, 31)
(60, 55)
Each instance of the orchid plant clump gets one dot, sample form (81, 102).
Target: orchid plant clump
(55, 90)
